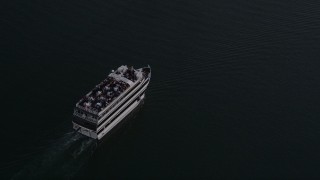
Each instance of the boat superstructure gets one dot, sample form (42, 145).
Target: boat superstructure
(111, 101)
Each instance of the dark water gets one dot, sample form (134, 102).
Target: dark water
(234, 91)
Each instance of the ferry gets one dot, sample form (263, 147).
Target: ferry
(111, 101)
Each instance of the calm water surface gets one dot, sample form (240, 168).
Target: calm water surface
(234, 91)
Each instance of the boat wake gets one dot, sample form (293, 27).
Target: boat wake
(63, 159)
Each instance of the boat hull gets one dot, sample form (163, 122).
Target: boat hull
(97, 125)
(118, 116)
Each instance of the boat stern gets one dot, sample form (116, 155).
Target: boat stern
(87, 132)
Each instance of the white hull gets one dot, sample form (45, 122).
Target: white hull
(119, 119)
(120, 114)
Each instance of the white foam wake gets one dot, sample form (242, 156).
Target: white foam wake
(62, 159)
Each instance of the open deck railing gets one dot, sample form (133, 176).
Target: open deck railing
(87, 109)
(86, 117)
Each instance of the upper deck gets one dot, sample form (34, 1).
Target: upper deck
(106, 93)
